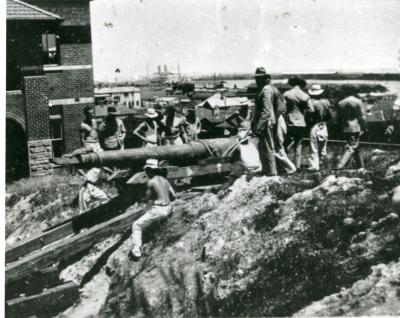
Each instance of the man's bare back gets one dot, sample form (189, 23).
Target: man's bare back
(159, 190)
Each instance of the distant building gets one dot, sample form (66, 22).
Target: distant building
(49, 81)
(128, 96)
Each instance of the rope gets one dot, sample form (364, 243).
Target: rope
(211, 151)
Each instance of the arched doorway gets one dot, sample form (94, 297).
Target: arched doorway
(17, 162)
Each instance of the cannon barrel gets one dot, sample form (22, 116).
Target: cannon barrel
(198, 149)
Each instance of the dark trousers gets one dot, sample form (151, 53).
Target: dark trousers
(266, 150)
(294, 140)
(351, 150)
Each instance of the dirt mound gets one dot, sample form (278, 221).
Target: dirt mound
(376, 295)
(269, 247)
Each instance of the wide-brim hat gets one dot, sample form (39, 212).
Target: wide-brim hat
(93, 175)
(112, 111)
(151, 113)
(151, 164)
(261, 72)
(315, 90)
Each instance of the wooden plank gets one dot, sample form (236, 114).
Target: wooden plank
(72, 225)
(68, 247)
(34, 283)
(38, 241)
(47, 303)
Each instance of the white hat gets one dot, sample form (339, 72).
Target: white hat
(151, 113)
(151, 163)
(316, 89)
(93, 175)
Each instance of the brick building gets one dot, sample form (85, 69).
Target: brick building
(128, 96)
(49, 81)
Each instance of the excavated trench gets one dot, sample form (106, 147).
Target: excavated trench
(267, 247)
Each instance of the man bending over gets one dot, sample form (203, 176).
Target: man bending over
(160, 194)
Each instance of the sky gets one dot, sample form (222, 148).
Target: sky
(236, 36)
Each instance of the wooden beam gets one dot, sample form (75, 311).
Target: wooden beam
(73, 245)
(47, 303)
(34, 283)
(70, 226)
(38, 241)
(68, 247)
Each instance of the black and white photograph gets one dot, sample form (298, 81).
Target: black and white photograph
(201, 158)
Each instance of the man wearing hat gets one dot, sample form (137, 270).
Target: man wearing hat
(113, 131)
(160, 194)
(90, 194)
(319, 131)
(147, 131)
(352, 119)
(297, 103)
(193, 125)
(264, 120)
(173, 127)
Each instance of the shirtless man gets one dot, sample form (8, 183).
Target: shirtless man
(160, 193)
(148, 130)
(88, 131)
(173, 127)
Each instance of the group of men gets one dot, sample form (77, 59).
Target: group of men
(156, 129)
(279, 123)
(282, 121)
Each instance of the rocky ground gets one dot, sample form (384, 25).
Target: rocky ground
(318, 244)
(33, 205)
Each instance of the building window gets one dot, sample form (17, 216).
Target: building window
(137, 103)
(49, 48)
(116, 99)
(126, 94)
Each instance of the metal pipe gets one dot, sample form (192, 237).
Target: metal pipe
(198, 149)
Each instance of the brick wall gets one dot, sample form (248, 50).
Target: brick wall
(36, 107)
(72, 118)
(76, 54)
(70, 84)
(37, 125)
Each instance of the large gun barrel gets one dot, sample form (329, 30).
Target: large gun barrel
(198, 149)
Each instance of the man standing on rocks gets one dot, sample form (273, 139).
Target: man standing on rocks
(160, 193)
(351, 118)
(264, 119)
(319, 131)
(297, 102)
